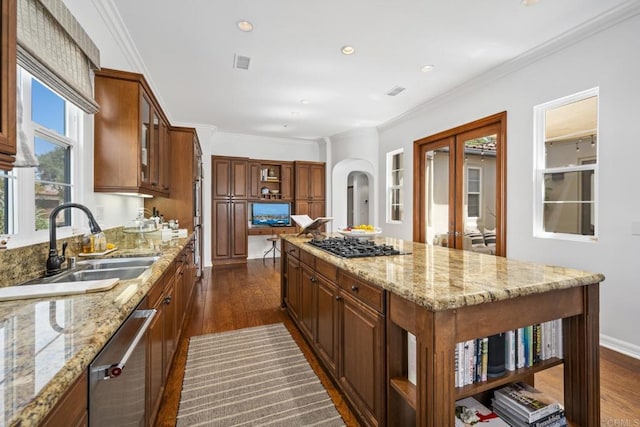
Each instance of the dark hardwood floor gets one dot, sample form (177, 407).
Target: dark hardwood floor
(240, 297)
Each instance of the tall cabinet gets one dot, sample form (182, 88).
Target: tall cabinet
(8, 84)
(229, 210)
(309, 188)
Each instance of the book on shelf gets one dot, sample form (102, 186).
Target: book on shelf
(526, 402)
(476, 360)
(470, 412)
(556, 419)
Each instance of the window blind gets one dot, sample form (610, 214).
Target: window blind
(55, 48)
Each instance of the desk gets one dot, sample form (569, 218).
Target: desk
(270, 231)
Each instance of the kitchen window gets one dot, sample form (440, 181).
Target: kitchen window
(566, 146)
(51, 126)
(395, 177)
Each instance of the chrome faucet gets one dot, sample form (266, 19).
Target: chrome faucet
(55, 261)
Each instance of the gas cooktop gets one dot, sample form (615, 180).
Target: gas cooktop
(351, 247)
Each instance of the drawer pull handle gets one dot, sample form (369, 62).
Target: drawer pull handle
(354, 288)
(314, 279)
(291, 251)
(338, 297)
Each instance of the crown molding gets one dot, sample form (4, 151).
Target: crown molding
(606, 20)
(109, 13)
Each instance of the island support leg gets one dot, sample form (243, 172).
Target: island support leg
(437, 355)
(582, 362)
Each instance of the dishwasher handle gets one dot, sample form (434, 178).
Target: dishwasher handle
(115, 369)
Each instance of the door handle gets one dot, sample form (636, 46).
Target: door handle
(115, 369)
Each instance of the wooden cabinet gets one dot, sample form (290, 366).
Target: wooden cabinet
(71, 410)
(155, 351)
(309, 180)
(343, 319)
(8, 84)
(130, 152)
(180, 177)
(270, 180)
(229, 210)
(292, 287)
(309, 189)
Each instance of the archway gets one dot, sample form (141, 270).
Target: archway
(340, 178)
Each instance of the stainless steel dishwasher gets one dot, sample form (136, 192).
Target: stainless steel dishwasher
(117, 374)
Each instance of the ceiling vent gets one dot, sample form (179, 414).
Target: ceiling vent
(241, 62)
(395, 90)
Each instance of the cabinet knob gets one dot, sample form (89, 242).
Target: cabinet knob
(167, 300)
(314, 279)
(354, 288)
(338, 297)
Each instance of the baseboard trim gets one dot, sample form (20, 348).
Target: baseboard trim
(620, 346)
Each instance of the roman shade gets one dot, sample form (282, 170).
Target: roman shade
(55, 48)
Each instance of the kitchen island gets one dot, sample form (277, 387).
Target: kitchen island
(48, 343)
(356, 314)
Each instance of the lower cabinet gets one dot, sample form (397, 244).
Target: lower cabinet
(344, 324)
(362, 355)
(71, 411)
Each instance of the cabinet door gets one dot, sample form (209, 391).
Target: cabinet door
(316, 182)
(239, 229)
(316, 209)
(307, 303)
(286, 177)
(239, 179)
(145, 139)
(302, 208)
(292, 295)
(154, 148)
(221, 226)
(221, 187)
(8, 89)
(164, 159)
(362, 358)
(327, 325)
(155, 370)
(254, 180)
(302, 181)
(170, 323)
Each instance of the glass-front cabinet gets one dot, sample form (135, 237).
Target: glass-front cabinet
(131, 136)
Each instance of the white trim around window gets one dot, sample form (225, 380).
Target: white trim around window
(395, 181)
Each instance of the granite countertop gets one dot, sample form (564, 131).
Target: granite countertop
(47, 343)
(440, 278)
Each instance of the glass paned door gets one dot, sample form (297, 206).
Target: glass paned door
(459, 196)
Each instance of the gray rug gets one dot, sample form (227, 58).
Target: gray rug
(252, 377)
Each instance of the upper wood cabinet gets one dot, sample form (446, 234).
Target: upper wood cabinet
(131, 136)
(229, 177)
(270, 180)
(8, 84)
(309, 181)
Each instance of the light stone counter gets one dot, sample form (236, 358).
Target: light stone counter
(46, 343)
(442, 279)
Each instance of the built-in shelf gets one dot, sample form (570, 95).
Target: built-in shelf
(406, 389)
(509, 377)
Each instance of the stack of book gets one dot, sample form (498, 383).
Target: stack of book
(470, 412)
(521, 405)
(522, 348)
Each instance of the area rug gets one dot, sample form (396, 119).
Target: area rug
(252, 377)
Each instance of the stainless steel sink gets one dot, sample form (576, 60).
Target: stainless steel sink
(109, 273)
(100, 264)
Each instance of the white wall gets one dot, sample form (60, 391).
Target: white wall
(610, 60)
(255, 147)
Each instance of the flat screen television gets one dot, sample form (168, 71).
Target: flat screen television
(272, 214)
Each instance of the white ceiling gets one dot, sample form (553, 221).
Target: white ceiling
(188, 49)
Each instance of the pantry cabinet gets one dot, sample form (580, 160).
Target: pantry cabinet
(8, 84)
(130, 136)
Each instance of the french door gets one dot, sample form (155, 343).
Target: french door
(460, 187)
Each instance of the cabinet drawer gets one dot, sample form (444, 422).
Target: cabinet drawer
(156, 291)
(362, 291)
(291, 250)
(328, 270)
(308, 259)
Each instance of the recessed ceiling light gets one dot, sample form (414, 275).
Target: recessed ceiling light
(348, 50)
(305, 102)
(528, 2)
(245, 26)
(426, 68)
